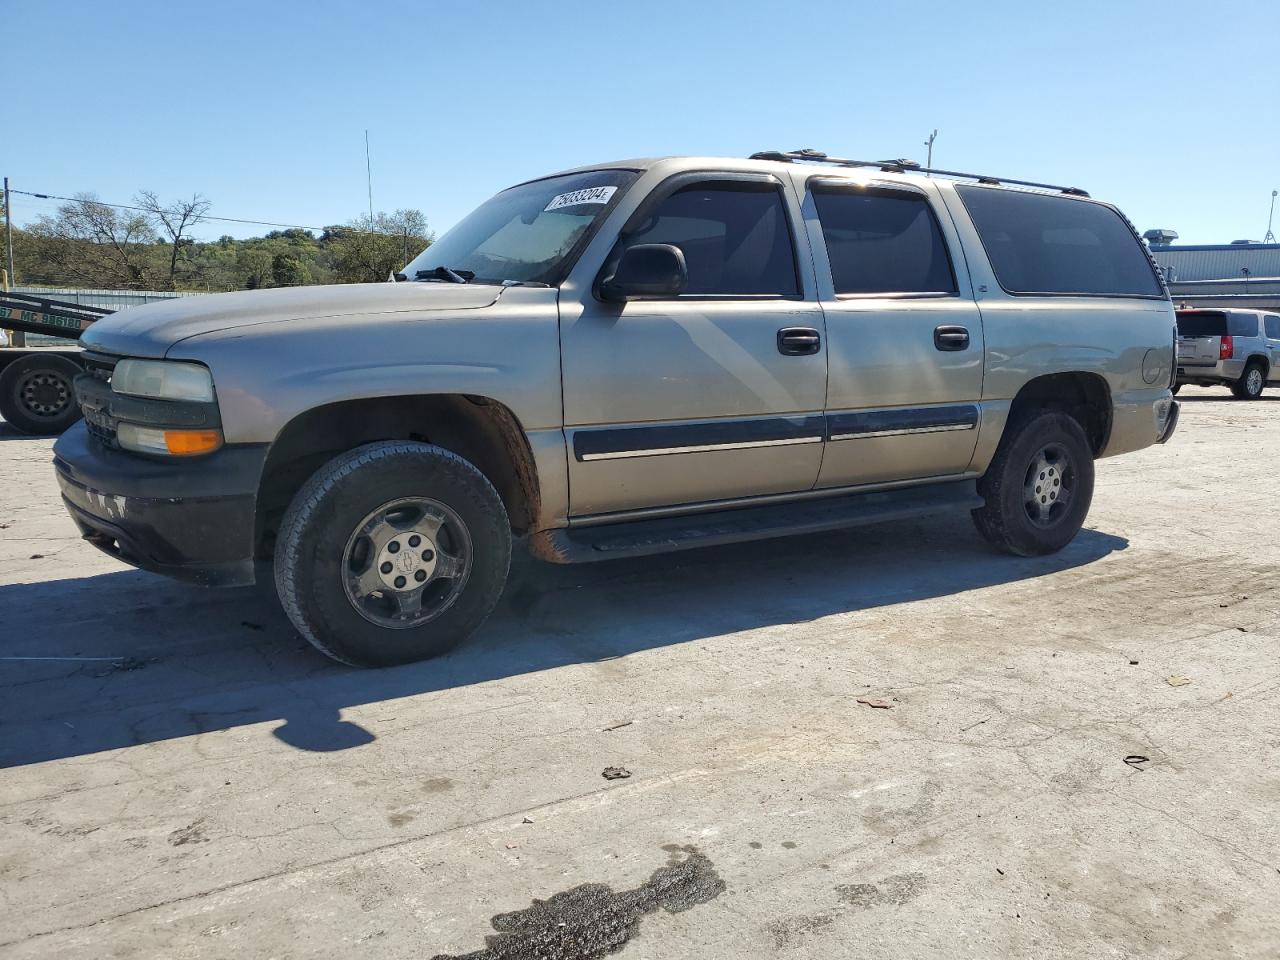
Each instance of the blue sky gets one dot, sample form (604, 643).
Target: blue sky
(1166, 108)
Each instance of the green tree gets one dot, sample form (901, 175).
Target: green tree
(369, 251)
(288, 270)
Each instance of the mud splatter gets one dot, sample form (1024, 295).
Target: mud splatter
(191, 833)
(785, 932)
(892, 891)
(592, 920)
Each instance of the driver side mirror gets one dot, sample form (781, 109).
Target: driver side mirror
(647, 271)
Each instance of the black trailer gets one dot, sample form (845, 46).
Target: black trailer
(36, 392)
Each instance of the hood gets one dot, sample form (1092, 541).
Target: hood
(150, 330)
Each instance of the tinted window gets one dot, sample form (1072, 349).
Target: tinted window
(735, 238)
(1242, 324)
(1202, 324)
(882, 241)
(1045, 244)
(1273, 327)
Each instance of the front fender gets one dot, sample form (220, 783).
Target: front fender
(267, 374)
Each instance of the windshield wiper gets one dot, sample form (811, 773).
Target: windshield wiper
(446, 274)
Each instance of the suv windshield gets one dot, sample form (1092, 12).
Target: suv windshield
(530, 233)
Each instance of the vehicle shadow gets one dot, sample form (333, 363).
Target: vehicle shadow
(133, 658)
(10, 432)
(1226, 397)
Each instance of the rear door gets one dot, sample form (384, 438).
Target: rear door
(1200, 334)
(905, 336)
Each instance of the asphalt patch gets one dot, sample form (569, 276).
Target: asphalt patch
(592, 920)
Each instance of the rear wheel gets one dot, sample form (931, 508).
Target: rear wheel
(1251, 382)
(37, 396)
(1038, 487)
(393, 552)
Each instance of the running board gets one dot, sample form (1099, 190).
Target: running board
(638, 538)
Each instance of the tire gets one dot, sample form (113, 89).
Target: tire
(37, 395)
(1251, 382)
(1008, 521)
(330, 575)
(1175, 388)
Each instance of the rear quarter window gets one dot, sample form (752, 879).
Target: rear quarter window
(1242, 324)
(1040, 244)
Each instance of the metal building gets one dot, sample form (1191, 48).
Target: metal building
(1221, 275)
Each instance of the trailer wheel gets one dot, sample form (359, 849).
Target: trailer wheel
(37, 396)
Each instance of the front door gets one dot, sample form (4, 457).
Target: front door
(697, 398)
(904, 335)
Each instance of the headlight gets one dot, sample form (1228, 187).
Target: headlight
(163, 380)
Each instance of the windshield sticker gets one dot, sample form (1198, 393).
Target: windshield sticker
(578, 198)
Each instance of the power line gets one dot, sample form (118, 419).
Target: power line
(126, 206)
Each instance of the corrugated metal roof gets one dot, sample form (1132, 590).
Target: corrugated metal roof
(1218, 261)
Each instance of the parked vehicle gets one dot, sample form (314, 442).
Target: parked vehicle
(628, 359)
(1239, 349)
(37, 393)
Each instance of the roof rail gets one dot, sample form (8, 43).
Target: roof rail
(904, 166)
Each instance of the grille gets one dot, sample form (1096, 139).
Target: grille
(99, 364)
(102, 433)
(99, 422)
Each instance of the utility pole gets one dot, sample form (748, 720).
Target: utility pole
(1269, 238)
(17, 338)
(8, 232)
(368, 172)
(929, 144)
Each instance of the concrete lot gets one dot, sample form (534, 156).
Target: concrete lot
(213, 788)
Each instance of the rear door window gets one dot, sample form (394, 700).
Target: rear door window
(1273, 327)
(882, 241)
(1040, 244)
(735, 237)
(1242, 324)
(1201, 324)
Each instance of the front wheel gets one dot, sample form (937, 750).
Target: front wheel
(1038, 487)
(391, 553)
(1251, 382)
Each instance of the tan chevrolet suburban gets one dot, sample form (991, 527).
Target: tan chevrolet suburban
(626, 359)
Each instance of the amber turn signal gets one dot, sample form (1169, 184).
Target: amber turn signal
(188, 443)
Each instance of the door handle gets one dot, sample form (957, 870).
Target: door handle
(798, 341)
(951, 338)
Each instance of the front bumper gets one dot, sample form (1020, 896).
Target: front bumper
(188, 519)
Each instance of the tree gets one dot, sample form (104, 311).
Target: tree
(253, 264)
(288, 270)
(173, 220)
(90, 243)
(369, 250)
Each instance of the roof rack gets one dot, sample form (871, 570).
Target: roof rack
(904, 166)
